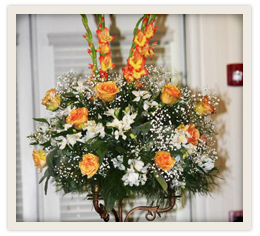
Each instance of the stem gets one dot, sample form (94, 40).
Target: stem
(90, 41)
(143, 23)
(102, 22)
(152, 17)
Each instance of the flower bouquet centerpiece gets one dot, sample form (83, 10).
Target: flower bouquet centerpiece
(123, 136)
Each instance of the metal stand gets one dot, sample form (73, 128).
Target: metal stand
(151, 214)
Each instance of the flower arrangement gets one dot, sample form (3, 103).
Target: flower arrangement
(132, 135)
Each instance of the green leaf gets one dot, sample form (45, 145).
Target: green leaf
(120, 149)
(96, 144)
(160, 180)
(46, 185)
(41, 120)
(49, 160)
(36, 143)
(142, 128)
(101, 152)
(46, 144)
(46, 173)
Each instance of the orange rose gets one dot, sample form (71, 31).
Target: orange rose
(203, 138)
(39, 158)
(89, 165)
(51, 100)
(164, 160)
(78, 117)
(106, 91)
(205, 107)
(170, 94)
(192, 134)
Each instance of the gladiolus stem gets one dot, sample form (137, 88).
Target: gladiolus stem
(90, 42)
(145, 21)
(153, 16)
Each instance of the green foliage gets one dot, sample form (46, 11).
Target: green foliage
(41, 120)
(160, 180)
(112, 188)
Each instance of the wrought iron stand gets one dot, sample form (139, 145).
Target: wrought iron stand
(151, 214)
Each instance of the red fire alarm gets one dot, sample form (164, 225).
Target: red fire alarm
(235, 74)
(236, 216)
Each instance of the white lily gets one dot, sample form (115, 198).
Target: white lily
(118, 162)
(148, 104)
(137, 164)
(141, 94)
(63, 143)
(121, 125)
(206, 163)
(131, 177)
(143, 179)
(93, 130)
(81, 87)
(64, 112)
(73, 138)
(190, 148)
(110, 112)
(128, 120)
(179, 139)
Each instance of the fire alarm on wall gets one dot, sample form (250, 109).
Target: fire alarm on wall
(235, 74)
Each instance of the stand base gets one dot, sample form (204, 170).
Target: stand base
(151, 214)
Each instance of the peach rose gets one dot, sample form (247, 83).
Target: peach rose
(170, 94)
(164, 160)
(89, 165)
(203, 138)
(194, 135)
(51, 100)
(78, 117)
(106, 91)
(39, 158)
(205, 107)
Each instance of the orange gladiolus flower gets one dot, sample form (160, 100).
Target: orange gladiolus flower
(144, 51)
(106, 62)
(137, 75)
(78, 117)
(137, 61)
(128, 73)
(104, 35)
(90, 66)
(147, 50)
(140, 39)
(164, 160)
(150, 30)
(103, 48)
(89, 52)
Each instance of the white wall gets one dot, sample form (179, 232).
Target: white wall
(213, 41)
